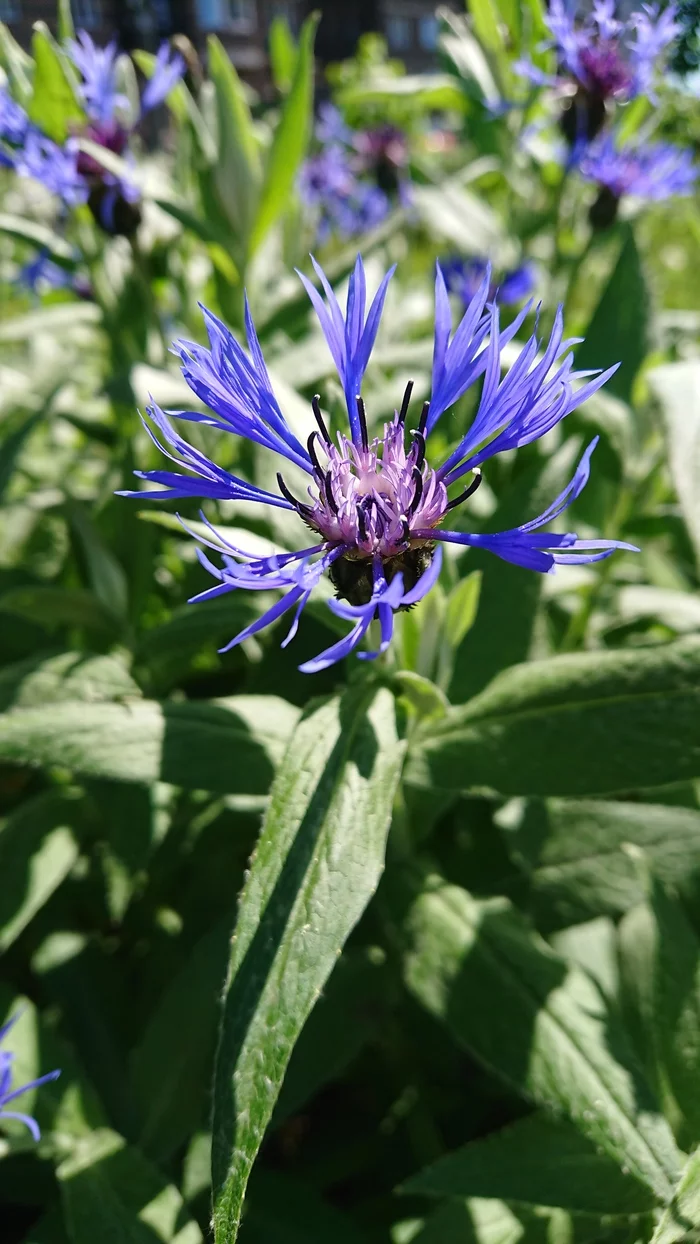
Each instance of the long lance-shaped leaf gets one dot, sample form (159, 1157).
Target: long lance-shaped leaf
(317, 864)
(539, 1024)
(291, 138)
(584, 724)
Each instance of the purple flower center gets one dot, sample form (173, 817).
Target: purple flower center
(109, 134)
(605, 72)
(371, 498)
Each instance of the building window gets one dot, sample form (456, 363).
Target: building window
(10, 10)
(235, 15)
(398, 33)
(87, 14)
(428, 33)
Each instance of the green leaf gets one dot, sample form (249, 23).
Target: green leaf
(111, 1193)
(536, 1161)
(660, 957)
(347, 1015)
(219, 745)
(106, 576)
(171, 1078)
(283, 53)
(681, 1218)
(55, 107)
(56, 607)
(619, 328)
(64, 317)
(42, 680)
(540, 1025)
(237, 172)
(677, 388)
(572, 852)
(12, 446)
(37, 851)
(572, 725)
(37, 235)
(317, 864)
(478, 1221)
(66, 28)
(18, 66)
(291, 138)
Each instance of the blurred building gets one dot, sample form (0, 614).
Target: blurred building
(409, 26)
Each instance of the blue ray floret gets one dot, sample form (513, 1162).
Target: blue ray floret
(375, 503)
(9, 1094)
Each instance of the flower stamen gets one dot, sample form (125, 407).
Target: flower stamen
(468, 492)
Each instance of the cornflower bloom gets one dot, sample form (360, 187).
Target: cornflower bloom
(113, 201)
(346, 205)
(602, 59)
(375, 503)
(8, 1094)
(464, 277)
(651, 171)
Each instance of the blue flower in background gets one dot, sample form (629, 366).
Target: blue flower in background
(14, 121)
(647, 170)
(55, 167)
(602, 58)
(375, 503)
(99, 86)
(8, 1094)
(355, 177)
(464, 277)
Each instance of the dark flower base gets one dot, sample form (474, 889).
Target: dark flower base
(582, 117)
(353, 581)
(603, 213)
(113, 213)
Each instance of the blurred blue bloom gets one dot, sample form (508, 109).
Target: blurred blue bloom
(43, 271)
(99, 87)
(464, 276)
(346, 204)
(375, 503)
(98, 69)
(354, 177)
(8, 1094)
(647, 170)
(605, 56)
(14, 121)
(331, 126)
(55, 167)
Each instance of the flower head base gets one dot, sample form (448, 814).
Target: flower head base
(376, 504)
(603, 59)
(8, 1094)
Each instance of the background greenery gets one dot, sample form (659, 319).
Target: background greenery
(497, 1039)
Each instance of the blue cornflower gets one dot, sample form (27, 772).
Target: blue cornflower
(346, 204)
(464, 277)
(113, 200)
(55, 167)
(603, 59)
(376, 505)
(99, 87)
(646, 170)
(14, 121)
(8, 1094)
(607, 57)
